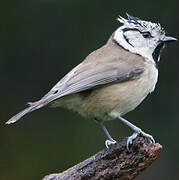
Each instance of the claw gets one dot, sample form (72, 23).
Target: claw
(150, 138)
(130, 139)
(109, 142)
(135, 134)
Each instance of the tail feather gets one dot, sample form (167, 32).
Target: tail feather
(32, 107)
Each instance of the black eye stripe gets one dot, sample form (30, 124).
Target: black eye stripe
(146, 34)
(135, 29)
(130, 29)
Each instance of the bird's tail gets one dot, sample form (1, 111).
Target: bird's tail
(32, 107)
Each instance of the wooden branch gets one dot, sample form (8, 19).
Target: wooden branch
(113, 163)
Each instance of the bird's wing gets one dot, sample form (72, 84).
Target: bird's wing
(93, 75)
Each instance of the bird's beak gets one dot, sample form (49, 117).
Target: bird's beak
(167, 39)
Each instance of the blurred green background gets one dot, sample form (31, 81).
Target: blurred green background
(40, 41)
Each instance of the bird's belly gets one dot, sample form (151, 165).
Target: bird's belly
(122, 97)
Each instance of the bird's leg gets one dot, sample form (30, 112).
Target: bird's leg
(110, 140)
(136, 130)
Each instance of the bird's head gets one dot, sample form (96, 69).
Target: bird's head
(141, 37)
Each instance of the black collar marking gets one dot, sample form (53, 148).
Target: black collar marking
(127, 40)
(123, 47)
(119, 44)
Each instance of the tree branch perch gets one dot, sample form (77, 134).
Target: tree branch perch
(113, 163)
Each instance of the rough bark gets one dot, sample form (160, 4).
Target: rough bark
(113, 163)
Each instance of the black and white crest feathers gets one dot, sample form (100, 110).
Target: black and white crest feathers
(134, 22)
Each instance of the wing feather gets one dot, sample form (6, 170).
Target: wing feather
(93, 75)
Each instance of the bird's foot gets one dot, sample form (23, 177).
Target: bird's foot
(110, 142)
(135, 134)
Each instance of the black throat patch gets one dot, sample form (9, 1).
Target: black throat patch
(157, 52)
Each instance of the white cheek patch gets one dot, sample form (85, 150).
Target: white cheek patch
(119, 38)
(135, 44)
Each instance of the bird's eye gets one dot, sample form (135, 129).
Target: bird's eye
(146, 34)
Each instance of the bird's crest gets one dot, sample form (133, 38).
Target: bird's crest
(134, 22)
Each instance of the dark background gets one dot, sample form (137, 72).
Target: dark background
(40, 41)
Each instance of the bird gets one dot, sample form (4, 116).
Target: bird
(112, 80)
